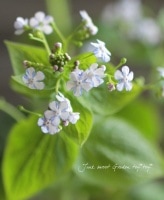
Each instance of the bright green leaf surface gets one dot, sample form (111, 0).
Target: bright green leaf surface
(20, 52)
(142, 115)
(116, 156)
(34, 160)
(106, 103)
(81, 130)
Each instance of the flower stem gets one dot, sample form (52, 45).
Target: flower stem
(58, 33)
(11, 110)
(41, 38)
(122, 62)
(29, 112)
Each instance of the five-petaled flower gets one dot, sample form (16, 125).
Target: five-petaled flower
(95, 74)
(60, 113)
(88, 23)
(41, 22)
(79, 82)
(49, 123)
(124, 79)
(20, 24)
(101, 51)
(33, 79)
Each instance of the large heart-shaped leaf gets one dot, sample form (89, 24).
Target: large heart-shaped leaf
(33, 160)
(116, 153)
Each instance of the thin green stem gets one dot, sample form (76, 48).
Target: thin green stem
(11, 110)
(29, 112)
(41, 39)
(122, 62)
(46, 44)
(58, 33)
(57, 85)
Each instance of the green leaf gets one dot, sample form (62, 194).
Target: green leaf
(106, 103)
(37, 159)
(143, 115)
(81, 130)
(151, 190)
(116, 153)
(20, 52)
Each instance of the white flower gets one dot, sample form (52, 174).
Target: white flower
(88, 23)
(78, 82)
(49, 123)
(73, 117)
(161, 71)
(96, 74)
(33, 79)
(41, 22)
(60, 109)
(20, 25)
(60, 112)
(124, 79)
(101, 51)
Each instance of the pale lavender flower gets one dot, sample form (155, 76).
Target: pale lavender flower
(101, 51)
(95, 74)
(33, 79)
(124, 79)
(60, 113)
(20, 24)
(49, 123)
(78, 82)
(60, 109)
(41, 22)
(88, 23)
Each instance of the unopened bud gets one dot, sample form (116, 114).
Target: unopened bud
(58, 45)
(111, 87)
(55, 67)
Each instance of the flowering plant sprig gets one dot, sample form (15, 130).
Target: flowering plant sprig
(74, 97)
(68, 73)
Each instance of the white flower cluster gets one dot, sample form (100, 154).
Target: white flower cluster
(60, 113)
(39, 22)
(81, 80)
(88, 23)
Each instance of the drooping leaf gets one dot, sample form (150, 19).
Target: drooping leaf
(33, 160)
(117, 155)
(20, 52)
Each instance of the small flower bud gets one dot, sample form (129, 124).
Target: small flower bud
(67, 56)
(65, 123)
(61, 69)
(111, 87)
(58, 45)
(77, 63)
(26, 63)
(55, 67)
